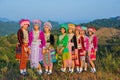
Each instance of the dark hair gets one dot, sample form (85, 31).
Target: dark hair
(63, 28)
(90, 31)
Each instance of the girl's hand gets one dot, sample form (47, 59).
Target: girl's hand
(58, 51)
(43, 51)
(47, 50)
(61, 50)
(29, 51)
(95, 52)
(88, 53)
(76, 55)
(84, 52)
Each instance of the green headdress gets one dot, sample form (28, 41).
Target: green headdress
(65, 26)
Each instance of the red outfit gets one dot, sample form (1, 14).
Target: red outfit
(23, 56)
(93, 45)
(80, 49)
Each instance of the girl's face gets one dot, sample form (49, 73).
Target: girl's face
(36, 27)
(62, 30)
(25, 26)
(46, 29)
(70, 30)
(90, 33)
(77, 32)
(82, 32)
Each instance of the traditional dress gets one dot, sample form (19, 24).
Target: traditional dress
(72, 45)
(23, 37)
(93, 45)
(86, 43)
(36, 43)
(63, 42)
(80, 49)
(50, 56)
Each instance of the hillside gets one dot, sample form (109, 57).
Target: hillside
(107, 22)
(106, 34)
(107, 63)
(9, 27)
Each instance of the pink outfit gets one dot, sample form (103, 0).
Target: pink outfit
(70, 44)
(36, 48)
(86, 43)
(41, 37)
(93, 46)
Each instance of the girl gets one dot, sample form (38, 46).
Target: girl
(93, 45)
(22, 35)
(49, 38)
(63, 46)
(80, 49)
(72, 45)
(36, 43)
(86, 43)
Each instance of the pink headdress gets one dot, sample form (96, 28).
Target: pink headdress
(92, 29)
(78, 28)
(24, 21)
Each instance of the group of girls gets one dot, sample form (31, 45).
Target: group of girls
(76, 48)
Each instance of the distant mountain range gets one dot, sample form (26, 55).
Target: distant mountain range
(8, 27)
(110, 22)
(4, 20)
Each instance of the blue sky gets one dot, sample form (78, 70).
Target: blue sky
(59, 10)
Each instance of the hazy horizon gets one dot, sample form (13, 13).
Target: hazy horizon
(61, 11)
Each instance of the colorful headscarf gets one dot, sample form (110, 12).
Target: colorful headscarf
(71, 26)
(23, 22)
(37, 22)
(48, 24)
(78, 28)
(84, 28)
(65, 26)
(92, 29)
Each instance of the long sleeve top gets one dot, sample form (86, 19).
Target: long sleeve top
(41, 37)
(93, 42)
(20, 36)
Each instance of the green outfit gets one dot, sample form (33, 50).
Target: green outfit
(63, 42)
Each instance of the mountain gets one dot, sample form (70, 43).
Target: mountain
(108, 35)
(107, 22)
(9, 27)
(115, 18)
(12, 27)
(4, 20)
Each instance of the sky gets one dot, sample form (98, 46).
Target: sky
(59, 10)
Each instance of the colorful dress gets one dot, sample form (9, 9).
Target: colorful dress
(80, 49)
(36, 43)
(49, 57)
(86, 43)
(63, 42)
(72, 45)
(23, 56)
(93, 45)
